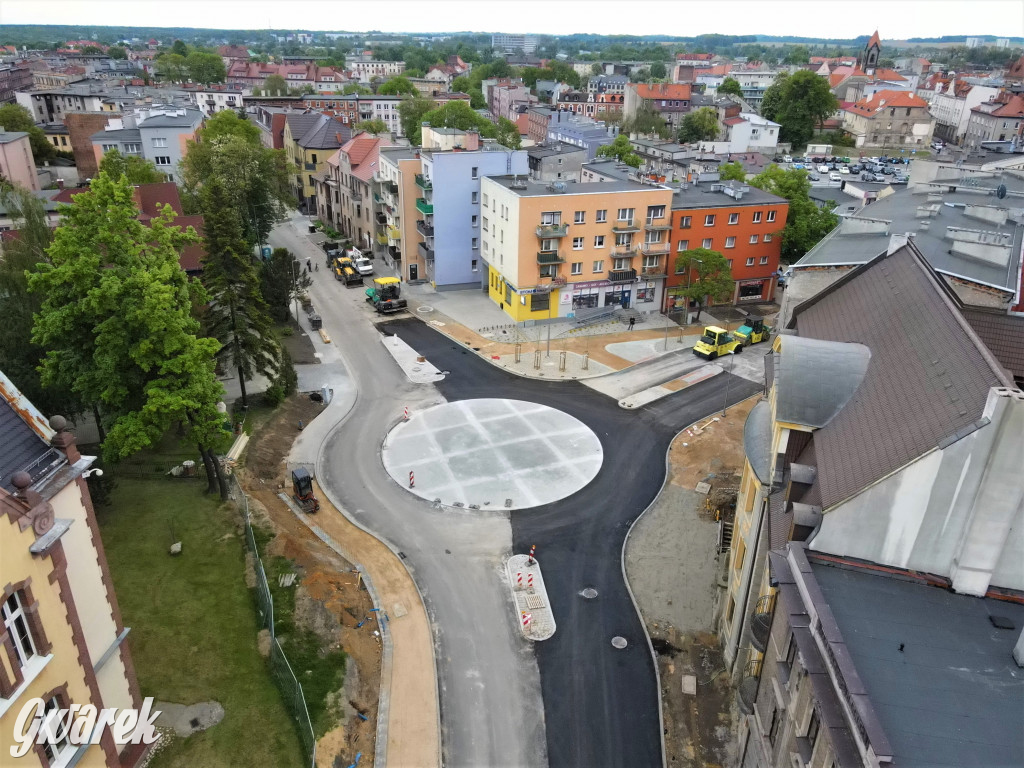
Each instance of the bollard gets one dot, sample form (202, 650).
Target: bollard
(533, 548)
(561, 361)
(529, 581)
(527, 618)
(519, 579)
(536, 359)
(407, 413)
(519, 351)
(412, 479)
(586, 361)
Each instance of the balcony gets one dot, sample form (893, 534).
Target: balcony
(394, 252)
(394, 233)
(654, 249)
(424, 207)
(626, 226)
(425, 251)
(392, 187)
(382, 238)
(653, 272)
(761, 622)
(746, 694)
(657, 225)
(378, 199)
(356, 197)
(552, 230)
(422, 183)
(424, 229)
(381, 217)
(624, 251)
(549, 257)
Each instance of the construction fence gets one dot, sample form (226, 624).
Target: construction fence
(280, 668)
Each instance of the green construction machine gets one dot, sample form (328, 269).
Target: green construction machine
(385, 295)
(753, 331)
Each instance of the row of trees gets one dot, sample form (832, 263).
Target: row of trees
(182, 63)
(415, 111)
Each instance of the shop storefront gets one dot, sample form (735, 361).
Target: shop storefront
(627, 291)
(753, 290)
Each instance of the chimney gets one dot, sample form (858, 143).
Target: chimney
(472, 140)
(60, 183)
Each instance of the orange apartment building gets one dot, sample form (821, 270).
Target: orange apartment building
(395, 213)
(741, 222)
(554, 250)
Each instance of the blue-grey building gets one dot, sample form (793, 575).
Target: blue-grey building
(580, 131)
(449, 206)
(159, 134)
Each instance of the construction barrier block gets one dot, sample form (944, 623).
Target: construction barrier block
(324, 336)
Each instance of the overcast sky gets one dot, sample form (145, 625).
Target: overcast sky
(896, 19)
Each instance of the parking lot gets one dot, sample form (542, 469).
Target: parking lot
(833, 170)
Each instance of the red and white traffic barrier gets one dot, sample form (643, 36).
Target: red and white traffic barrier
(527, 618)
(533, 549)
(407, 413)
(412, 479)
(519, 579)
(529, 581)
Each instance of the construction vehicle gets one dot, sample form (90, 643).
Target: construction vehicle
(384, 295)
(753, 331)
(346, 271)
(716, 342)
(302, 490)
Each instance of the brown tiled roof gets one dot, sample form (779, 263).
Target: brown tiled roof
(1003, 334)
(927, 380)
(663, 90)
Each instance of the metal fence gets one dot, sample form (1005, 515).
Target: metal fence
(280, 669)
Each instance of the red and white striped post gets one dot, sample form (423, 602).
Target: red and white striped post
(412, 479)
(527, 618)
(529, 581)
(519, 579)
(407, 413)
(533, 548)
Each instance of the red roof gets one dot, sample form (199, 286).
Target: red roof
(694, 56)
(874, 40)
(888, 74)
(663, 90)
(1012, 108)
(733, 121)
(883, 99)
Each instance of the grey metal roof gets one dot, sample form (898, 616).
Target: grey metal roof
(901, 209)
(940, 676)
(702, 196)
(816, 378)
(927, 380)
(527, 188)
(9, 136)
(757, 440)
(559, 148)
(21, 447)
(611, 169)
(326, 133)
(121, 134)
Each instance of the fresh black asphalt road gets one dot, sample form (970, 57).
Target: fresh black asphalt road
(600, 703)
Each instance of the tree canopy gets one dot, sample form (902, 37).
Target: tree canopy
(398, 86)
(699, 125)
(658, 70)
(772, 99)
(411, 113)
(803, 102)
(376, 126)
(137, 169)
(459, 114)
(205, 67)
(117, 52)
(806, 223)
(621, 150)
(730, 87)
(275, 85)
(14, 117)
(732, 172)
(710, 277)
(646, 121)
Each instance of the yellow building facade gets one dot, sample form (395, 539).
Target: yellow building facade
(561, 249)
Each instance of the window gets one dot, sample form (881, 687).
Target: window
(730, 242)
(162, 160)
(131, 149)
(750, 261)
(764, 260)
(159, 142)
(683, 245)
(485, 224)
(773, 730)
(580, 217)
(474, 220)
(312, 158)
(485, 199)
(734, 218)
(686, 222)
(706, 242)
(757, 217)
(753, 239)
(813, 726)
(651, 262)
(680, 268)
(709, 220)
(621, 263)
(741, 553)
(577, 268)
(625, 214)
(58, 749)
(549, 244)
(109, 148)
(551, 217)
(476, 243)
(653, 237)
(729, 262)
(475, 172)
(655, 212)
(602, 216)
(577, 243)
(599, 265)
(623, 239)
(549, 270)
(17, 627)
(730, 611)
(767, 239)
(474, 264)
(475, 198)
(771, 215)
(599, 241)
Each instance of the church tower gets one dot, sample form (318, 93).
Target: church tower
(869, 58)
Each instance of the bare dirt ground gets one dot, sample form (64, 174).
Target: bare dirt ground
(329, 600)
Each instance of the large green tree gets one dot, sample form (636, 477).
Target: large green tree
(646, 121)
(282, 280)
(411, 113)
(621, 150)
(508, 134)
(205, 67)
(771, 102)
(172, 67)
(117, 325)
(732, 172)
(23, 250)
(117, 52)
(236, 315)
(275, 85)
(709, 277)
(137, 169)
(14, 117)
(805, 101)
(376, 126)
(806, 223)
(398, 86)
(699, 125)
(730, 87)
(658, 70)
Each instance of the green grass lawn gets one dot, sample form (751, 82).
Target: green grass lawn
(194, 621)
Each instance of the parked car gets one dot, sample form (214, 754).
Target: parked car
(363, 266)
(867, 176)
(822, 168)
(844, 170)
(844, 159)
(938, 146)
(813, 177)
(834, 176)
(787, 158)
(856, 168)
(778, 159)
(798, 166)
(888, 170)
(898, 178)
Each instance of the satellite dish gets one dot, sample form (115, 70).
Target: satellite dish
(1001, 191)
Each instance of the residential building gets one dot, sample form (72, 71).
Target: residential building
(58, 135)
(952, 107)
(661, 157)
(350, 172)
(996, 120)
(57, 79)
(450, 228)
(17, 164)
(590, 104)
(232, 53)
(748, 132)
(966, 233)
(159, 134)
(874, 468)
(81, 127)
(63, 636)
(505, 98)
(855, 673)
(14, 78)
(561, 249)
(1015, 73)
(670, 100)
(753, 84)
(608, 84)
(580, 132)
(309, 139)
(507, 43)
(442, 75)
(556, 162)
(52, 106)
(253, 74)
(353, 108)
(890, 119)
(537, 120)
(369, 71)
(213, 100)
(741, 222)
(395, 213)
(271, 121)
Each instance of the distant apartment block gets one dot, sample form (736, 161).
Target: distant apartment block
(16, 161)
(159, 134)
(13, 77)
(514, 43)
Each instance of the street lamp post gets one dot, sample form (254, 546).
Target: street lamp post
(295, 289)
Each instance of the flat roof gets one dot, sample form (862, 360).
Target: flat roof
(563, 148)
(701, 196)
(9, 136)
(526, 188)
(398, 153)
(939, 674)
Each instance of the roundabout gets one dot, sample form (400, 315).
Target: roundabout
(492, 453)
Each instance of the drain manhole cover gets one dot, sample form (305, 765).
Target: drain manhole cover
(619, 642)
(424, 309)
(533, 602)
(590, 593)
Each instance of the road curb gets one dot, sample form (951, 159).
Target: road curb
(629, 587)
(534, 615)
